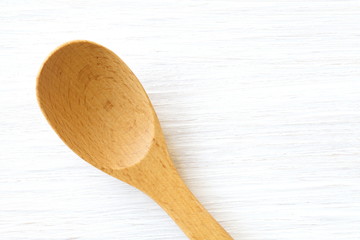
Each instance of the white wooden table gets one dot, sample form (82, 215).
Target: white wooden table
(259, 102)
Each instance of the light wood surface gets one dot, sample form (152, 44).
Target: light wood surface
(259, 104)
(100, 110)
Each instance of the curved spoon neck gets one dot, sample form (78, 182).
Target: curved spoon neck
(154, 170)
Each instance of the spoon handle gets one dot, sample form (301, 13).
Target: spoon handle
(183, 207)
(157, 177)
(161, 181)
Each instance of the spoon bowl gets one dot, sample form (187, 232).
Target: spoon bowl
(88, 93)
(98, 107)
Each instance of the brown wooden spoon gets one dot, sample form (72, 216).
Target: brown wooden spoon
(99, 109)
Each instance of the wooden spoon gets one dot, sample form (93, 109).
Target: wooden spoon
(99, 109)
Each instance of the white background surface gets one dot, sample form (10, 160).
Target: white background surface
(259, 102)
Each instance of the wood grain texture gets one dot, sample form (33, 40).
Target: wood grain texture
(99, 109)
(265, 95)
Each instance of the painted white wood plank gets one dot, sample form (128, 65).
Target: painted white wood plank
(259, 102)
